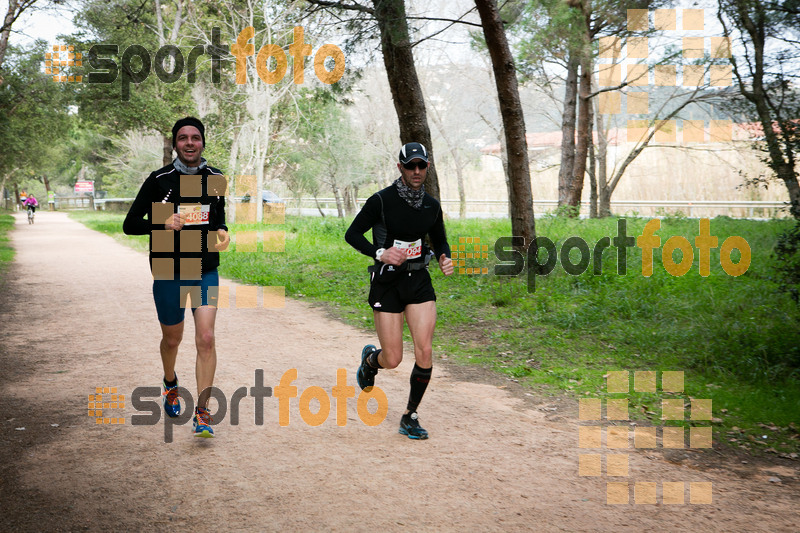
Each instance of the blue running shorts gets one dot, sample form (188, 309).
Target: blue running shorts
(171, 295)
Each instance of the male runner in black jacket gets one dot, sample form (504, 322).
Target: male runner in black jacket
(400, 217)
(182, 208)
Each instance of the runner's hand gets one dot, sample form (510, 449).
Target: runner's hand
(175, 222)
(446, 264)
(393, 256)
(224, 240)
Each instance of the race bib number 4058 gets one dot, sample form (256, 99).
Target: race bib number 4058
(195, 213)
(411, 249)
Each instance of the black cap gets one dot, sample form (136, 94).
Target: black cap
(188, 121)
(413, 151)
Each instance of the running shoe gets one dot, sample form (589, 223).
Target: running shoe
(366, 374)
(172, 402)
(202, 423)
(409, 426)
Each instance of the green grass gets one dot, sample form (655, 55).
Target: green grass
(110, 224)
(6, 251)
(736, 338)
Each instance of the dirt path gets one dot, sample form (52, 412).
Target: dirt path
(78, 314)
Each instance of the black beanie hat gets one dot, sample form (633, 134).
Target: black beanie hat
(188, 121)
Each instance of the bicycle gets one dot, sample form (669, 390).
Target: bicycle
(31, 214)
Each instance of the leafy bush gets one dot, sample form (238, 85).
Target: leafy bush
(787, 252)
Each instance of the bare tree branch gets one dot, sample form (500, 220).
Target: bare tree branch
(15, 9)
(454, 21)
(343, 5)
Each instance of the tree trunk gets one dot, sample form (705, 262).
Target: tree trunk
(346, 200)
(575, 188)
(592, 157)
(7, 22)
(233, 156)
(781, 155)
(398, 59)
(47, 191)
(565, 173)
(349, 201)
(790, 179)
(504, 163)
(338, 197)
(319, 207)
(604, 198)
(166, 159)
(3, 191)
(462, 195)
(592, 171)
(520, 196)
(233, 165)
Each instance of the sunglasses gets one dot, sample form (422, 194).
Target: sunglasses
(415, 164)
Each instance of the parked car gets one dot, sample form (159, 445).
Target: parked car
(274, 207)
(269, 197)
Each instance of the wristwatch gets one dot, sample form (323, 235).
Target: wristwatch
(379, 253)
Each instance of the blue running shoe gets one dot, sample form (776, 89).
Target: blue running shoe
(365, 376)
(409, 426)
(202, 423)
(172, 402)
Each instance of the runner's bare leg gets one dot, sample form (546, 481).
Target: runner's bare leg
(421, 319)
(204, 320)
(171, 337)
(389, 327)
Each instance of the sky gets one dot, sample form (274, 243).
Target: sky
(42, 24)
(451, 46)
(48, 24)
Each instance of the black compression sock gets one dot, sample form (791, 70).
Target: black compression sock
(172, 383)
(372, 359)
(419, 382)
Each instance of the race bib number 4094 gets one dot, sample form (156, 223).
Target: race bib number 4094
(411, 249)
(195, 213)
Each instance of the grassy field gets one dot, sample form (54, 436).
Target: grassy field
(737, 339)
(6, 251)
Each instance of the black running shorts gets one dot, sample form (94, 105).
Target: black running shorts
(412, 287)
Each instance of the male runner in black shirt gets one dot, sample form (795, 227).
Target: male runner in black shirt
(400, 217)
(182, 208)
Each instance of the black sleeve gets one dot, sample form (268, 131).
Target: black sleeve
(135, 223)
(217, 218)
(369, 215)
(219, 215)
(439, 236)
